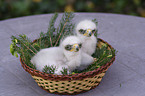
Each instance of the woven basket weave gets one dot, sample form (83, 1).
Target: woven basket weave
(70, 84)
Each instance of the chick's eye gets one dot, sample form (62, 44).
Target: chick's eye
(68, 47)
(80, 45)
(93, 31)
(82, 31)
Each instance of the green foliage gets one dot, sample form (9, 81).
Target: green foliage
(64, 72)
(17, 8)
(51, 30)
(65, 27)
(103, 55)
(96, 22)
(27, 49)
(49, 69)
(22, 45)
(54, 35)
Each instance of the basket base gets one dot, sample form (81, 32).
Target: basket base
(75, 93)
(69, 87)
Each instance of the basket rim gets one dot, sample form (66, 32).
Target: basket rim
(77, 76)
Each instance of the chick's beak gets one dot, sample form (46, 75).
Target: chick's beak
(89, 32)
(76, 47)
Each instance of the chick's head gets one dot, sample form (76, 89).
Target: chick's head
(71, 44)
(86, 28)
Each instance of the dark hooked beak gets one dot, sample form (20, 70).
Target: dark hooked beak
(77, 48)
(90, 34)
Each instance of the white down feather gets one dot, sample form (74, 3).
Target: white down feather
(88, 43)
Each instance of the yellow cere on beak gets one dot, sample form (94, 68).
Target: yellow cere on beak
(75, 48)
(88, 33)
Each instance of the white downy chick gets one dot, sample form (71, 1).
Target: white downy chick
(76, 59)
(85, 31)
(67, 55)
(71, 47)
(52, 56)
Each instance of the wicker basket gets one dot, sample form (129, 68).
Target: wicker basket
(70, 84)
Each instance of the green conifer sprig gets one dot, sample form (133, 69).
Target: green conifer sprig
(27, 49)
(102, 55)
(65, 71)
(51, 29)
(65, 26)
(54, 35)
(96, 22)
(49, 69)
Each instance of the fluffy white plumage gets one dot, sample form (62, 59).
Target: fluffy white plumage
(73, 58)
(76, 60)
(52, 56)
(63, 56)
(87, 37)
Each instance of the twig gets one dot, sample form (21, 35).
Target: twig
(29, 48)
(101, 60)
(33, 47)
(60, 33)
(64, 34)
(62, 30)
(23, 54)
(50, 39)
(30, 44)
(98, 63)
